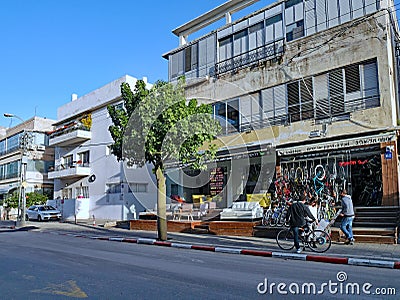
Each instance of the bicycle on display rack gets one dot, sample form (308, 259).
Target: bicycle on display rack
(316, 240)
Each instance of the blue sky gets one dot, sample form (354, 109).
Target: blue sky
(53, 48)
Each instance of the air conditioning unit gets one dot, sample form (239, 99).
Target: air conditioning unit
(41, 148)
(315, 133)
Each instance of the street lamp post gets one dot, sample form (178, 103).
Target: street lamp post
(24, 142)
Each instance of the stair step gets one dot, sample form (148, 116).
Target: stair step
(202, 226)
(376, 239)
(371, 224)
(200, 231)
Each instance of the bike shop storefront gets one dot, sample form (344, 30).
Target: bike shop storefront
(365, 166)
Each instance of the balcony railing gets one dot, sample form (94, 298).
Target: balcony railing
(255, 56)
(70, 135)
(74, 170)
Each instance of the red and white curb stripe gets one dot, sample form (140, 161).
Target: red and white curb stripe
(283, 255)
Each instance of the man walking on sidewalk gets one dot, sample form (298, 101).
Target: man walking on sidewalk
(348, 217)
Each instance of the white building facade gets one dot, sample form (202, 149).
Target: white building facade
(89, 182)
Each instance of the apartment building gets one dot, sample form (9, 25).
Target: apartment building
(297, 84)
(88, 180)
(38, 156)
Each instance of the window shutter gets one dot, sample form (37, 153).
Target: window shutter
(293, 101)
(336, 92)
(307, 104)
(321, 96)
(371, 86)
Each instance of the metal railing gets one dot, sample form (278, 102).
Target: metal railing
(266, 52)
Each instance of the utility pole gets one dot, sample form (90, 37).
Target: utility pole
(25, 141)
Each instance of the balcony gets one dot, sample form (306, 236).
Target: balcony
(69, 135)
(69, 172)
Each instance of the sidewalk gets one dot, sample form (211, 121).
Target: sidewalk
(378, 255)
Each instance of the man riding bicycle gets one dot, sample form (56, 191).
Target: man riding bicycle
(296, 216)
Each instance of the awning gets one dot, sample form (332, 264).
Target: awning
(6, 189)
(338, 144)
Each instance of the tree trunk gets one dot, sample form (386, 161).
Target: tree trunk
(161, 205)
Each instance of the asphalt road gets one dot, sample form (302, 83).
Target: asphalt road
(36, 265)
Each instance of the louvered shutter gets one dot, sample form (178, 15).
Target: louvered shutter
(336, 93)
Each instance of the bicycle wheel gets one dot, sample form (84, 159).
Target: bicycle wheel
(319, 241)
(285, 239)
(320, 172)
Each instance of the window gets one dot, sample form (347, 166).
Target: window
(240, 44)
(233, 115)
(256, 36)
(82, 192)
(352, 75)
(83, 159)
(68, 161)
(138, 187)
(13, 142)
(295, 31)
(225, 48)
(191, 58)
(291, 3)
(2, 147)
(12, 169)
(113, 188)
(67, 193)
(273, 20)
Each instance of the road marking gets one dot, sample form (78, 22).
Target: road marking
(69, 289)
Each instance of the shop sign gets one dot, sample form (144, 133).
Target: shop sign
(337, 145)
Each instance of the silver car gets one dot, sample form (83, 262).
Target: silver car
(42, 213)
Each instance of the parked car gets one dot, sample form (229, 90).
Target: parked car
(42, 213)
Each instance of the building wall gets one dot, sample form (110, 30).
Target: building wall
(109, 194)
(304, 58)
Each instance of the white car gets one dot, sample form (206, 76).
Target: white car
(42, 213)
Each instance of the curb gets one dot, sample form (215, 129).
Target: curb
(283, 255)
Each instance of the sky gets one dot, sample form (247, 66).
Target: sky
(54, 48)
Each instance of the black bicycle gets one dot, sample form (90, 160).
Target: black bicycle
(316, 240)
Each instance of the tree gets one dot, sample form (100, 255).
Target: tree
(32, 198)
(160, 125)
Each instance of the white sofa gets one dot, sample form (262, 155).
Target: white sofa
(242, 211)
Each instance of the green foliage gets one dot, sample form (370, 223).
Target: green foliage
(31, 199)
(160, 125)
(35, 198)
(12, 200)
